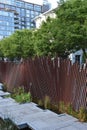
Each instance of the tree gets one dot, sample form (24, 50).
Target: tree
(7, 48)
(72, 25)
(60, 36)
(66, 33)
(18, 45)
(43, 39)
(23, 41)
(28, 43)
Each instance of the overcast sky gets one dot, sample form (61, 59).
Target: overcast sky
(54, 3)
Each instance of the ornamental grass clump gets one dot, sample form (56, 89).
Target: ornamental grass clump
(61, 107)
(47, 102)
(82, 115)
(69, 109)
(40, 103)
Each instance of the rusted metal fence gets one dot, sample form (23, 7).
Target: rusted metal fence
(57, 78)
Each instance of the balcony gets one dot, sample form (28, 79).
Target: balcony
(16, 13)
(16, 27)
(16, 18)
(16, 22)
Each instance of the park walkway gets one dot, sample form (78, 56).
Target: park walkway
(34, 117)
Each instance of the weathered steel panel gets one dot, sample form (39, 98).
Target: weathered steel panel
(57, 78)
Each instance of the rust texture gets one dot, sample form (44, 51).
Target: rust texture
(57, 78)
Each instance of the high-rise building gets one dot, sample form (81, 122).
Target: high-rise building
(46, 6)
(17, 14)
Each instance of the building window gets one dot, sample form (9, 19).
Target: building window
(22, 27)
(22, 12)
(18, 10)
(1, 5)
(28, 23)
(27, 19)
(29, 6)
(27, 11)
(22, 4)
(32, 14)
(27, 15)
(7, 6)
(37, 13)
(37, 8)
(13, 8)
(32, 25)
(18, 4)
(28, 27)
(23, 19)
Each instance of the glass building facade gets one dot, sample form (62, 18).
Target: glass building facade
(17, 14)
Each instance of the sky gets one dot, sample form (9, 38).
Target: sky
(53, 2)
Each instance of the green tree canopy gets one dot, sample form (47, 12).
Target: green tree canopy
(60, 36)
(7, 48)
(72, 25)
(66, 33)
(18, 45)
(43, 38)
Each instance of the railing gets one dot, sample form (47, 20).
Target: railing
(57, 78)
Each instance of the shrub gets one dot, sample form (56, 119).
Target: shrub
(18, 90)
(21, 96)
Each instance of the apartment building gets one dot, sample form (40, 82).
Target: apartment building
(17, 14)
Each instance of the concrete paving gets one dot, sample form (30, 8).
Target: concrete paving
(0, 98)
(36, 118)
(49, 121)
(75, 126)
(5, 104)
(4, 93)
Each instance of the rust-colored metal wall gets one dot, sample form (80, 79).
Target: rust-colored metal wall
(57, 78)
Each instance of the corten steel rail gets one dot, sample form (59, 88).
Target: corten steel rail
(57, 78)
